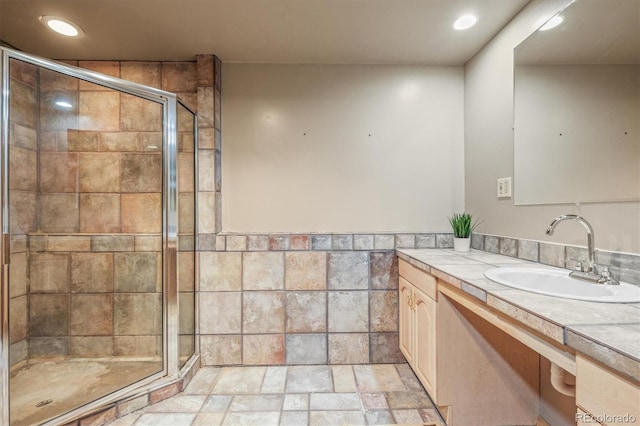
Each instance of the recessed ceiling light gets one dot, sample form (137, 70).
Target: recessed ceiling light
(552, 23)
(61, 26)
(464, 22)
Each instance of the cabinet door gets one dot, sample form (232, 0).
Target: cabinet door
(406, 319)
(425, 349)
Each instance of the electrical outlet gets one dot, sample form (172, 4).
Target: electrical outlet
(504, 187)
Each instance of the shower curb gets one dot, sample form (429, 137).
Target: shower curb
(139, 399)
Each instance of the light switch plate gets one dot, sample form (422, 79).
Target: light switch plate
(504, 187)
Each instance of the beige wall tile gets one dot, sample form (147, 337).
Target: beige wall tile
(23, 212)
(186, 213)
(236, 242)
(186, 319)
(23, 169)
(49, 273)
(148, 243)
(186, 172)
(179, 76)
(263, 271)
(59, 213)
(135, 272)
(147, 73)
(91, 272)
(136, 346)
(206, 138)
(141, 173)
(22, 136)
(58, 172)
(141, 213)
(306, 311)
(205, 107)
(121, 141)
(99, 110)
(57, 118)
(137, 114)
(91, 314)
(102, 243)
(220, 313)
(48, 315)
(306, 271)
(82, 141)
(383, 308)
(68, 243)
(349, 348)
(206, 165)
(221, 350)
(90, 346)
(51, 80)
(99, 172)
(263, 349)
(24, 72)
(18, 319)
(220, 271)
(207, 212)
(186, 271)
(23, 104)
(18, 278)
(111, 68)
(348, 311)
(99, 213)
(136, 314)
(263, 312)
(48, 346)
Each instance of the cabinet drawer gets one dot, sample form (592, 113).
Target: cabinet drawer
(607, 396)
(420, 279)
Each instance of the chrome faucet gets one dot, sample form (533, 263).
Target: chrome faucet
(591, 273)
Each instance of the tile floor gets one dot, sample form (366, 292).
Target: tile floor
(297, 395)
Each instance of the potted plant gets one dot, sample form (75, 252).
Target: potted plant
(463, 226)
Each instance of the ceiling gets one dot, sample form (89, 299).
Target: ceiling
(592, 32)
(277, 31)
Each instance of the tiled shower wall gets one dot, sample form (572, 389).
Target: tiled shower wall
(23, 123)
(87, 280)
(285, 299)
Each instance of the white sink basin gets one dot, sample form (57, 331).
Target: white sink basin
(558, 283)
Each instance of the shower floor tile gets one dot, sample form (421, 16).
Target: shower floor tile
(382, 394)
(46, 388)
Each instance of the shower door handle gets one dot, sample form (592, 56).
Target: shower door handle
(6, 249)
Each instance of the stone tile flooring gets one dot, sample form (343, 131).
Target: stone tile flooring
(338, 395)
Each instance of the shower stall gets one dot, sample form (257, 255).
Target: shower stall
(98, 179)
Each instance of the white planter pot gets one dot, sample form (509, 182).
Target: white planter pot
(461, 244)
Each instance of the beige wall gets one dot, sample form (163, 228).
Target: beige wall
(337, 148)
(489, 152)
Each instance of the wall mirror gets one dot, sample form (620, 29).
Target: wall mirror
(577, 107)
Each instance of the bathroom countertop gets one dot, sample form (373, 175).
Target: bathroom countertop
(607, 332)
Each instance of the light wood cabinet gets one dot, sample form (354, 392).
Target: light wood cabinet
(418, 332)
(605, 396)
(475, 373)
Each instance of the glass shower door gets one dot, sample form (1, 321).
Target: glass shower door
(85, 221)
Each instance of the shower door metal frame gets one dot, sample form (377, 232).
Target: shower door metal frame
(168, 101)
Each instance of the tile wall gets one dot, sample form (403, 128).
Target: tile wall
(86, 205)
(624, 266)
(23, 186)
(288, 299)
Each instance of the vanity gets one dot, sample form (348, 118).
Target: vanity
(489, 354)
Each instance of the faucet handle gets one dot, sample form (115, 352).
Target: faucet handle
(606, 277)
(579, 265)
